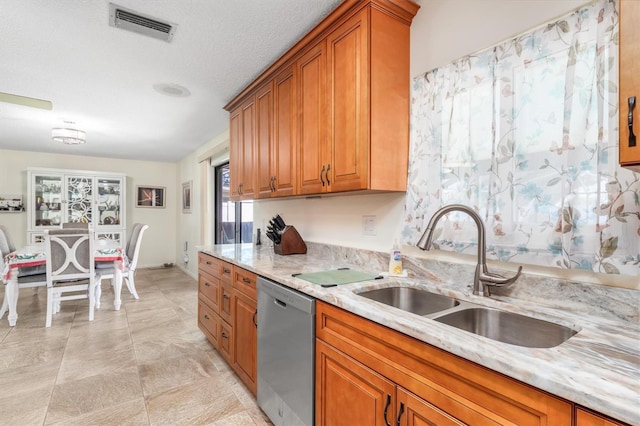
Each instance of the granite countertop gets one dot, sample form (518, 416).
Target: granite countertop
(598, 368)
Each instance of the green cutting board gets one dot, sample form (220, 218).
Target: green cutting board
(336, 277)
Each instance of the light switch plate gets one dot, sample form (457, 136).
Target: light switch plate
(369, 225)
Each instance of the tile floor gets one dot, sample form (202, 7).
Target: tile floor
(147, 364)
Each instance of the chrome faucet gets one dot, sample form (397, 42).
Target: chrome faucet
(482, 275)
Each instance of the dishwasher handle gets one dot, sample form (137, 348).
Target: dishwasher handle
(280, 303)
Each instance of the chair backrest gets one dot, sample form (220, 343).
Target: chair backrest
(4, 247)
(133, 249)
(75, 225)
(7, 238)
(70, 254)
(135, 230)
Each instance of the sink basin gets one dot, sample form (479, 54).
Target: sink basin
(412, 300)
(508, 327)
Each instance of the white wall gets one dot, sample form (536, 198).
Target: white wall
(158, 244)
(189, 227)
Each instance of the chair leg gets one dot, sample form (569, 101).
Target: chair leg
(92, 299)
(5, 306)
(131, 284)
(50, 303)
(98, 293)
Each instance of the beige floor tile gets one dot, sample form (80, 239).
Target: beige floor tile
(79, 397)
(24, 353)
(169, 373)
(201, 402)
(23, 380)
(241, 419)
(25, 409)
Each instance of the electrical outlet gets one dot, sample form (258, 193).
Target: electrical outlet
(369, 225)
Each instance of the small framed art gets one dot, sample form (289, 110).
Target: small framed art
(186, 197)
(150, 196)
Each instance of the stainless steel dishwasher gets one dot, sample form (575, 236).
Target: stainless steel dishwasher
(286, 353)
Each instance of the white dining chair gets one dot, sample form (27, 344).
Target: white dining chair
(32, 277)
(132, 251)
(70, 268)
(75, 225)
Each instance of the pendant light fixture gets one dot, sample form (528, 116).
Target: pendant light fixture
(68, 136)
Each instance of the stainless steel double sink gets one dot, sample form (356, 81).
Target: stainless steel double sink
(506, 327)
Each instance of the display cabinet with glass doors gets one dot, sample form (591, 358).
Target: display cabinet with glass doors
(58, 196)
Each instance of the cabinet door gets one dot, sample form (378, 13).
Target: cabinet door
(312, 144)
(109, 203)
(235, 153)
(79, 194)
(245, 339)
(629, 81)
(350, 394)
(248, 150)
(413, 411)
(283, 162)
(45, 203)
(264, 140)
(348, 77)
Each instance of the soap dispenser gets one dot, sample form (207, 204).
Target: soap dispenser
(395, 260)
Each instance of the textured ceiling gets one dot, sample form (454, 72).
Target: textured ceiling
(102, 78)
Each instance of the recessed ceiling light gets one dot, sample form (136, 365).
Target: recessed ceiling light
(170, 89)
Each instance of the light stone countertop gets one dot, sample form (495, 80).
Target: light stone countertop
(598, 368)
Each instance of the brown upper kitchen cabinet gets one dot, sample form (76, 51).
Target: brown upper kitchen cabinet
(629, 84)
(242, 150)
(339, 100)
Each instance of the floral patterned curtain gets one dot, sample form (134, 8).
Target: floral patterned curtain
(526, 133)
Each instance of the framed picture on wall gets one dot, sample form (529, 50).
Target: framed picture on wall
(150, 196)
(186, 197)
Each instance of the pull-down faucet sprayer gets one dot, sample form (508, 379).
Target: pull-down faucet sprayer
(482, 274)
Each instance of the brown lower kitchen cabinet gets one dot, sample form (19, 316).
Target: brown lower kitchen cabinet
(587, 418)
(367, 374)
(227, 314)
(245, 327)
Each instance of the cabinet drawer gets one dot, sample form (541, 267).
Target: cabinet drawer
(209, 287)
(208, 264)
(226, 301)
(208, 322)
(245, 282)
(226, 272)
(225, 342)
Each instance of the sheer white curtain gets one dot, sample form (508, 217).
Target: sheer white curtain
(526, 133)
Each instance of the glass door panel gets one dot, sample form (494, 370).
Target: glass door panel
(79, 199)
(48, 201)
(109, 201)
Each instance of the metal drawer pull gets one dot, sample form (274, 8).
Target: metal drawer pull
(226, 271)
(225, 296)
(208, 262)
(206, 317)
(327, 175)
(321, 172)
(400, 414)
(632, 136)
(225, 335)
(207, 285)
(255, 318)
(386, 409)
(246, 280)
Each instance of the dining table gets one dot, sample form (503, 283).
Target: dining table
(36, 255)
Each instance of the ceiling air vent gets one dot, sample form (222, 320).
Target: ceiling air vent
(130, 20)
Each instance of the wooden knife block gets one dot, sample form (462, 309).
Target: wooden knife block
(290, 243)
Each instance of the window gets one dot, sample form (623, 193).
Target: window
(526, 134)
(234, 221)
